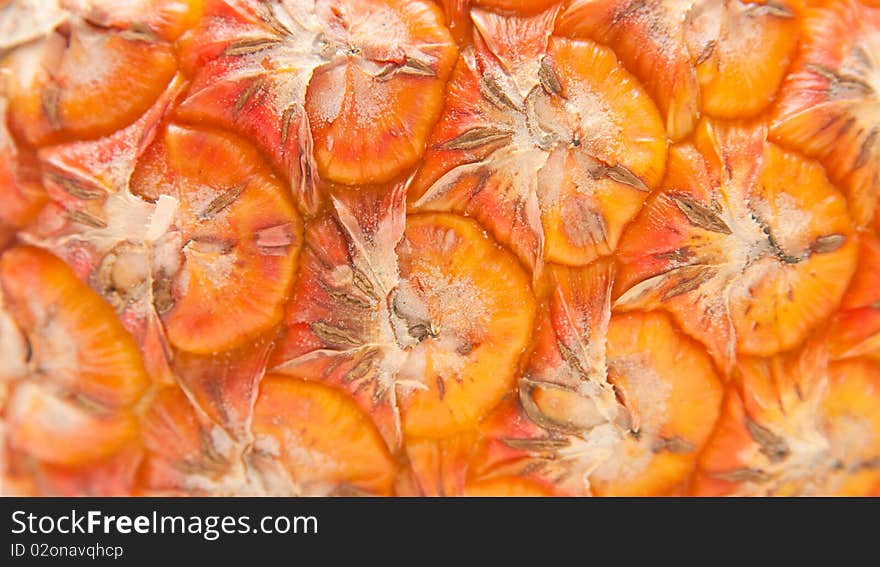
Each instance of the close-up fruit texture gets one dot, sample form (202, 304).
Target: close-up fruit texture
(440, 248)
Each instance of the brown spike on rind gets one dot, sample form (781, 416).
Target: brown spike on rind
(699, 215)
(772, 445)
(85, 218)
(548, 78)
(477, 137)
(623, 175)
(741, 475)
(827, 244)
(334, 336)
(222, 201)
(686, 285)
(249, 46)
(492, 91)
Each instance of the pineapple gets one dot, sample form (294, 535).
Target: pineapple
(451, 247)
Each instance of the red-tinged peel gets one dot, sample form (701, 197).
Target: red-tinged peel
(73, 336)
(515, 6)
(649, 37)
(440, 466)
(62, 432)
(759, 255)
(21, 193)
(476, 307)
(458, 19)
(829, 107)
(310, 439)
(166, 19)
(238, 227)
(617, 427)
(424, 325)
(863, 290)
(507, 487)
(158, 238)
(184, 449)
(855, 333)
(439, 247)
(537, 143)
(855, 328)
(306, 74)
(115, 475)
(796, 425)
(741, 52)
(337, 326)
(86, 84)
(224, 385)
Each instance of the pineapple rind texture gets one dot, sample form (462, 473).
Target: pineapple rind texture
(440, 247)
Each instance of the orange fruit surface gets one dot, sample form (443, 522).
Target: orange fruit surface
(486, 248)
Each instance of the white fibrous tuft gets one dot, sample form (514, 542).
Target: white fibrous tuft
(22, 21)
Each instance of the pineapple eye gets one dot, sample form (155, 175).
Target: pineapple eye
(123, 274)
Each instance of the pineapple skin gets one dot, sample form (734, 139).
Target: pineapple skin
(440, 247)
